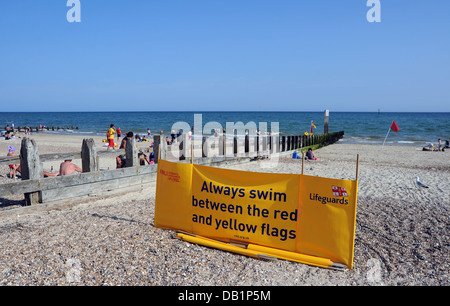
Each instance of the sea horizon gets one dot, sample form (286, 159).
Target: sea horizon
(416, 128)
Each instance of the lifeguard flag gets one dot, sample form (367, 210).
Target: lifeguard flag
(312, 125)
(394, 126)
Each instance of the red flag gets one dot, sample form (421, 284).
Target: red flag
(394, 126)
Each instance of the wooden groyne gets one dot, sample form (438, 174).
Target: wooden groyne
(134, 177)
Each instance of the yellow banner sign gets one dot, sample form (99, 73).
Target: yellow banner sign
(289, 212)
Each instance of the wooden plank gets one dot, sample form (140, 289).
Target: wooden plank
(73, 180)
(96, 187)
(112, 153)
(60, 156)
(9, 160)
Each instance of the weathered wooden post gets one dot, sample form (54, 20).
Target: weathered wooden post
(275, 144)
(239, 147)
(131, 153)
(251, 145)
(159, 148)
(222, 145)
(31, 168)
(205, 146)
(183, 146)
(283, 143)
(246, 144)
(270, 143)
(89, 160)
(264, 145)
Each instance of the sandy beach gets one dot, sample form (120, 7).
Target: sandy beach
(402, 232)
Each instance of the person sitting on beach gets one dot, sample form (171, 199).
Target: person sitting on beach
(310, 155)
(46, 174)
(123, 144)
(447, 144)
(168, 140)
(429, 147)
(8, 135)
(152, 158)
(143, 158)
(120, 161)
(12, 167)
(68, 168)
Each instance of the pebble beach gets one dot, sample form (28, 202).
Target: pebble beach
(402, 230)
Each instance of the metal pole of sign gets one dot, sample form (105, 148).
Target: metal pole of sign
(192, 150)
(357, 166)
(303, 162)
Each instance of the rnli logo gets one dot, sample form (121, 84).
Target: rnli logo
(339, 191)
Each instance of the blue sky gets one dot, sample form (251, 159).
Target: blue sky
(229, 55)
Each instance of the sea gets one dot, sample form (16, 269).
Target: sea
(415, 129)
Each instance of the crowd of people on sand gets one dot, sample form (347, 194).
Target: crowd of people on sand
(309, 155)
(68, 168)
(143, 158)
(440, 147)
(10, 132)
(65, 168)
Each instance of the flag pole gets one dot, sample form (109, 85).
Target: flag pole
(386, 138)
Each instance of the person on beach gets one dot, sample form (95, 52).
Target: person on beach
(310, 155)
(68, 168)
(46, 174)
(119, 132)
(13, 167)
(121, 159)
(143, 158)
(123, 144)
(439, 145)
(110, 135)
(8, 135)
